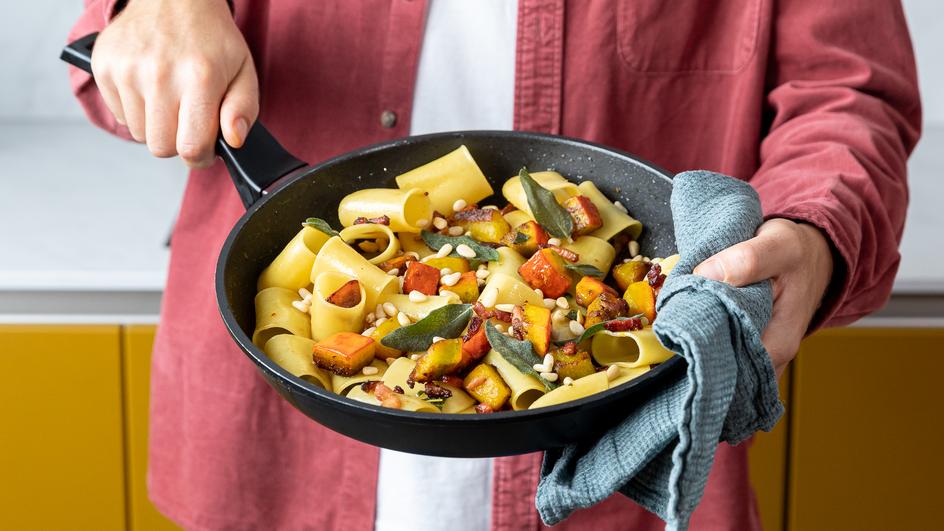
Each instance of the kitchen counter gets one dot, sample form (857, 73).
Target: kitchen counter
(92, 247)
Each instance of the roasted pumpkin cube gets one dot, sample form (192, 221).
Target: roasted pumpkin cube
(533, 323)
(486, 385)
(585, 214)
(574, 365)
(483, 224)
(589, 288)
(641, 299)
(443, 357)
(397, 262)
(382, 351)
(526, 238)
(605, 307)
(347, 296)
(422, 278)
(467, 288)
(344, 353)
(475, 344)
(545, 270)
(452, 263)
(626, 273)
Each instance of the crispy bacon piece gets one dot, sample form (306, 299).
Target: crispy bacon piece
(569, 348)
(434, 390)
(484, 408)
(382, 220)
(388, 397)
(485, 313)
(654, 277)
(347, 296)
(452, 380)
(398, 262)
(472, 215)
(624, 325)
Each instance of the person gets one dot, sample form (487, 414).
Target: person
(816, 106)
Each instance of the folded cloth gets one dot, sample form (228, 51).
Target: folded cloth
(660, 455)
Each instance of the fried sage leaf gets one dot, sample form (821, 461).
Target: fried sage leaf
(483, 253)
(517, 352)
(545, 208)
(322, 225)
(585, 270)
(446, 322)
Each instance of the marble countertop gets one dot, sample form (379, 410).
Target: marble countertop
(87, 215)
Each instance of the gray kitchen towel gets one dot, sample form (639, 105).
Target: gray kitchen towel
(660, 455)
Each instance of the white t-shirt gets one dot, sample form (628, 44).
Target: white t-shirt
(466, 80)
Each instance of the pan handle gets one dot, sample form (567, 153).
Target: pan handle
(254, 167)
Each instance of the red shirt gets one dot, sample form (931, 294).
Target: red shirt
(816, 106)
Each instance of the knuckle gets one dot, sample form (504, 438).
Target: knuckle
(744, 260)
(160, 149)
(200, 71)
(192, 152)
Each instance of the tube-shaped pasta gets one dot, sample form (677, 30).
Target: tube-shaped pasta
(510, 290)
(630, 349)
(626, 374)
(407, 402)
(453, 176)
(275, 315)
(293, 353)
(328, 319)
(404, 207)
(551, 180)
(410, 242)
(517, 217)
(343, 384)
(668, 264)
(582, 387)
(400, 370)
(373, 231)
(291, 267)
(458, 402)
(507, 264)
(525, 389)
(418, 310)
(593, 251)
(338, 256)
(614, 220)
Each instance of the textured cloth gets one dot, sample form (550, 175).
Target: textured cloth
(661, 454)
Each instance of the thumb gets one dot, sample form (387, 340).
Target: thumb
(240, 106)
(764, 256)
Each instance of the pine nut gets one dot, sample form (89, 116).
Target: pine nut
(415, 357)
(656, 260)
(554, 241)
(633, 248)
(576, 328)
(450, 294)
(500, 327)
(301, 306)
(482, 273)
(437, 339)
(548, 360)
(459, 205)
(304, 294)
(444, 251)
(465, 251)
(538, 367)
(380, 321)
(369, 331)
(488, 297)
(451, 279)
(568, 380)
(619, 206)
(483, 266)
(403, 319)
(562, 303)
(549, 376)
(558, 315)
(505, 307)
(490, 207)
(539, 292)
(550, 304)
(379, 310)
(393, 272)
(456, 230)
(370, 318)
(612, 372)
(390, 360)
(644, 320)
(422, 223)
(444, 271)
(417, 296)
(389, 309)
(637, 258)
(440, 223)
(370, 370)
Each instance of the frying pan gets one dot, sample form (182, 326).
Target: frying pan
(280, 191)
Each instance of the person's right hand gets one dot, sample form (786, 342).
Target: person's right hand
(175, 72)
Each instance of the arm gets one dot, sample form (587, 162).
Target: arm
(171, 73)
(845, 115)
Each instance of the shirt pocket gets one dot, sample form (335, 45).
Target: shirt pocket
(673, 36)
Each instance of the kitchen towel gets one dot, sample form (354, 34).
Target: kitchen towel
(660, 455)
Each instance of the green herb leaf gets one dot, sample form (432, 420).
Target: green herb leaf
(585, 270)
(520, 237)
(447, 322)
(322, 225)
(545, 208)
(436, 241)
(595, 329)
(517, 352)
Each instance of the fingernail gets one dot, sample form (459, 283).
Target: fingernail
(712, 269)
(242, 129)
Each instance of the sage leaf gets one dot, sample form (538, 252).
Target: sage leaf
(545, 208)
(517, 352)
(436, 241)
(585, 270)
(446, 322)
(322, 225)
(595, 329)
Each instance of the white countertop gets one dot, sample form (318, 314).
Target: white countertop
(85, 213)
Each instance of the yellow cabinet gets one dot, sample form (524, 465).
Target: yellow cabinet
(767, 460)
(61, 448)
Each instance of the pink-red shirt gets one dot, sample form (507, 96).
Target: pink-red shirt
(815, 105)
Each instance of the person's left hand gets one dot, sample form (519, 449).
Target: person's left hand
(797, 257)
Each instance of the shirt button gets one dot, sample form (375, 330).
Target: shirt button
(388, 119)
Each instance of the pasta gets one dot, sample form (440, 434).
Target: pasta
(360, 312)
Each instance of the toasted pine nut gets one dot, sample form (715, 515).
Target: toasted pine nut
(550, 304)
(465, 251)
(633, 248)
(390, 309)
(444, 251)
(440, 223)
(482, 273)
(417, 296)
(369, 331)
(562, 303)
(612, 372)
(459, 205)
(370, 370)
(505, 307)
(549, 376)
(393, 272)
(576, 328)
(456, 230)
(403, 319)
(554, 241)
(451, 279)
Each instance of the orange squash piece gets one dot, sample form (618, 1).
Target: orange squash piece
(347, 296)
(585, 214)
(545, 270)
(589, 288)
(533, 323)
(626, 273)
(486, 385)
(483, 224)
(475, 344)
(422, 278)
(344, 353)
(606, 307)
(641, 299)
(453, 263)
(467, 288)
(526, 238)
(382, 351)
(443, 357)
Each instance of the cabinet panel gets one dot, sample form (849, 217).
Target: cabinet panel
(61, 448)
(137, 343)
(866, 437)
(767, 459)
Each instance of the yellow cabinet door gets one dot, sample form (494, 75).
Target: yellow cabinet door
(867, 431)
(767, 459)
(137, 342)
(61, 451)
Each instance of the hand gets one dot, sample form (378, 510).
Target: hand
(797, 257)
(175, 72)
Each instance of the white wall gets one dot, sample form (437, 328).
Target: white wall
(926, 20)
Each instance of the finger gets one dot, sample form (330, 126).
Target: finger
(198, 124)
(106, 87)
(160, 119)
(132, 107)
(240, 105)
(770, 253)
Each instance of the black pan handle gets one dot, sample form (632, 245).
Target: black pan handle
(254, 167)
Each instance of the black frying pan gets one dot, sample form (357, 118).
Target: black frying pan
(304, 191)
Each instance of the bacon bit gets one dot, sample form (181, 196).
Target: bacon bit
(569, 348)
(397, 389)
(454, 381)
(382, 220)
(434, 390)
(472, 215)
(566, 254)
(508, 208)
(623, 325)
(387, 397)
(655, 276)
(485, 313)
(518, 324)
(369, 385)
(484, 408)
(474, 326)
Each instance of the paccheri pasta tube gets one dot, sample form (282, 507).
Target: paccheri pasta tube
(474, 309)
